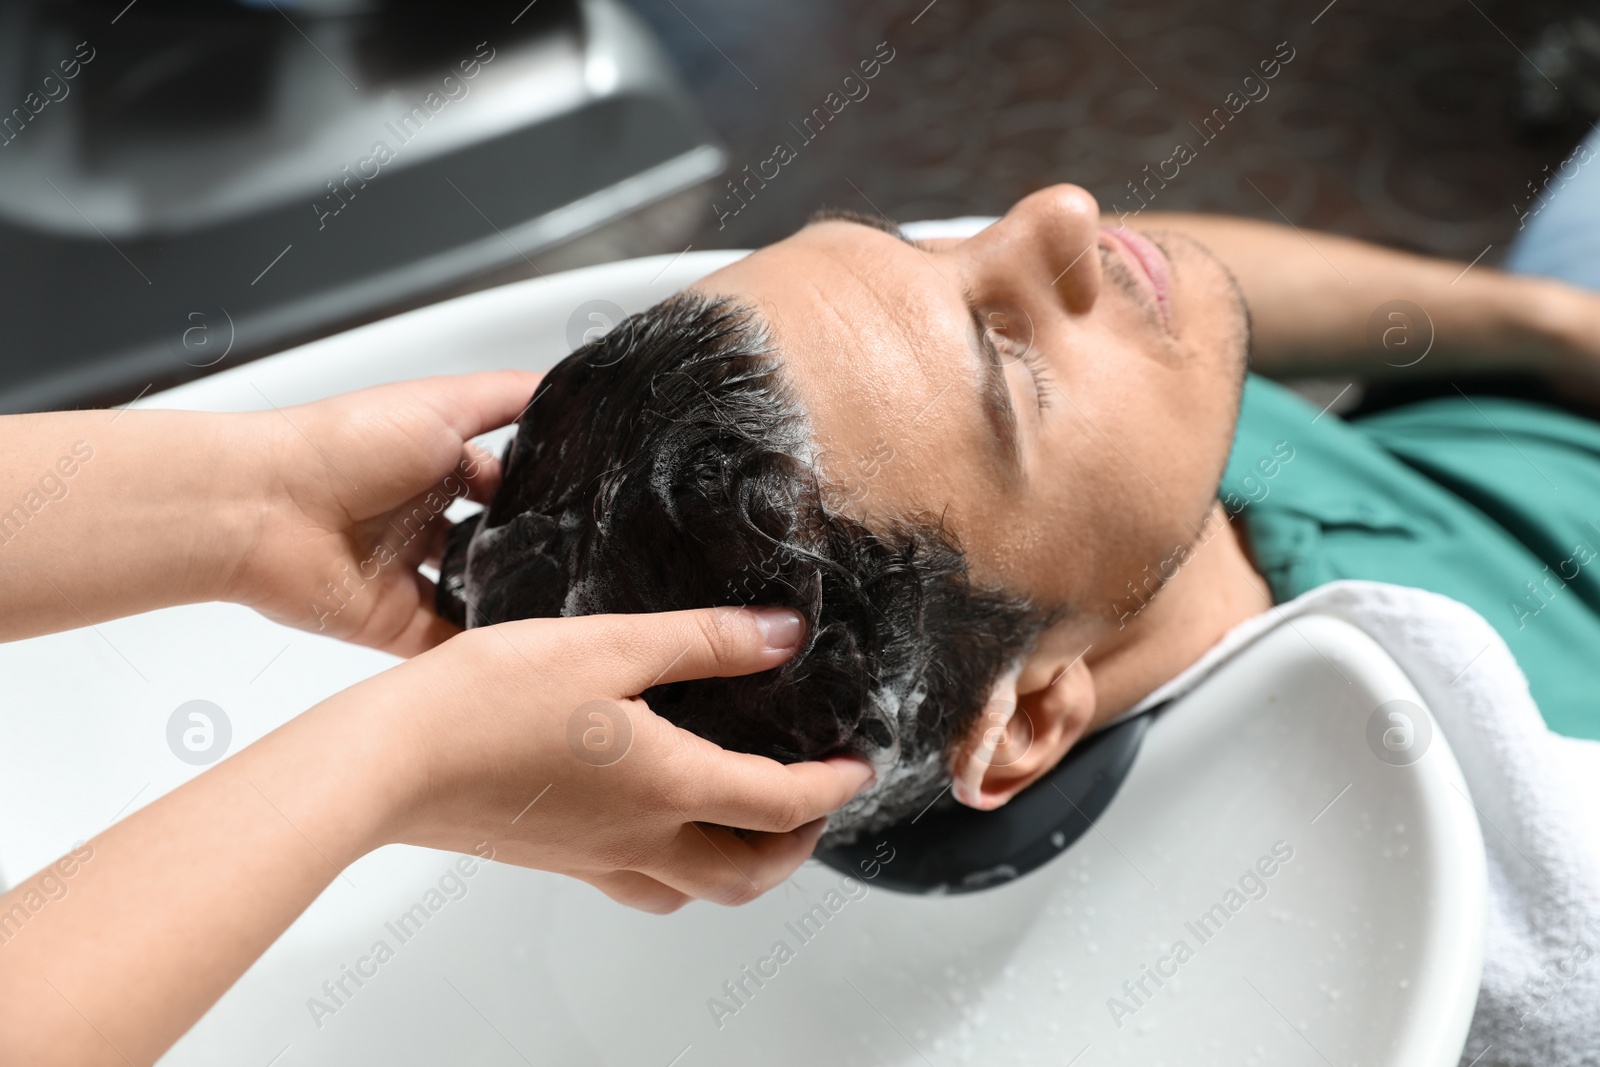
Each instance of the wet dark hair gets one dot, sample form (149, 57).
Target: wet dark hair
(666, 465)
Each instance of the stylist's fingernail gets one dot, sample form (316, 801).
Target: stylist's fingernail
(854, 768)
(780, 627)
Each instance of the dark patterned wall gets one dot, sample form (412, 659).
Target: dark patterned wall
(1392, 121)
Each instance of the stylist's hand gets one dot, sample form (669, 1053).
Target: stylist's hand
(354, 487)
(464, 747)
(527, 736)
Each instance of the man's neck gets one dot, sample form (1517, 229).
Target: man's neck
(1215, 590)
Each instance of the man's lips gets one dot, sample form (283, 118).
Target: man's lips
(1152, 264)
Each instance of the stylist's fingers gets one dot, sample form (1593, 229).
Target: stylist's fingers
(438, 541)
(640, 651)
(425, 629)
(410, 629)
(711, 863)
(414, 531)
(639, 891)
(472, 404)
(755, 793)
(480, 468)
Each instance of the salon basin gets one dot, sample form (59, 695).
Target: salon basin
(1351, 891)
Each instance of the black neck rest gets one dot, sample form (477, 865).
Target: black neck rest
(950, 848)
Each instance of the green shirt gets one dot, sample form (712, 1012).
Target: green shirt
(1490, 501)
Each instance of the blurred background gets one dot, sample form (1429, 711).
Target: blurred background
(189, 184)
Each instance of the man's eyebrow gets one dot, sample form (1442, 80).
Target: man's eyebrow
(860, 218)
(994, 392)
(995, 395)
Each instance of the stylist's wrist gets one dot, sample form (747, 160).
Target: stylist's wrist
(248, 504)
(339, 773)
(204, 499)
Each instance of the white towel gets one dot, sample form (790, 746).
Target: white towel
(1538, 801)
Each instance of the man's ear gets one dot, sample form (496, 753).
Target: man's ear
(1035, 713)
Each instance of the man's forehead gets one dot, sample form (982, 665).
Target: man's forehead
(869, 352)
(840, 301)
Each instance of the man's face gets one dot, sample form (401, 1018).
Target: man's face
(1063, 395)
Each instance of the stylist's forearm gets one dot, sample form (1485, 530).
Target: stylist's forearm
(1313, 295)
(163, 912)
(109, 513)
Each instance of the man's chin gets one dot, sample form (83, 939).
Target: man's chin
(1203, 267)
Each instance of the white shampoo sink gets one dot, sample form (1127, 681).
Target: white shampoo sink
(1262, 890)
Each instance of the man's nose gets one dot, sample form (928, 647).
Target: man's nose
(1047, 239)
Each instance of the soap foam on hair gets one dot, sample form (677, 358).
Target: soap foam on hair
(895, 705)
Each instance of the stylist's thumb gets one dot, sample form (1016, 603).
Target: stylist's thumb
(733, 788)
(676, 646)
